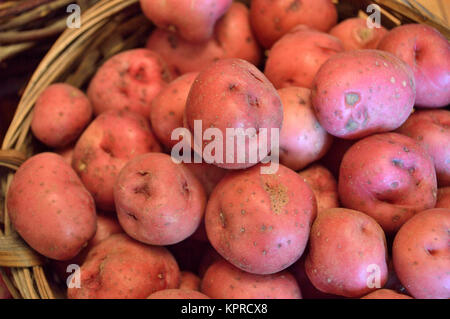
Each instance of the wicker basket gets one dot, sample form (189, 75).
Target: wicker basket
(107, 28)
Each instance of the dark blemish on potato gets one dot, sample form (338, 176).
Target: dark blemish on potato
(352, 98)
(255, 76)
(351, 125)
(185, 187)
(405, 149)
(264, 252)
(263, 228)
(143, 189)
(411, 170)
(173, 41)
(394, 184)
(398, 162)
(276, 22)
(301, 101)
(143, 173)
(223, 220)
(294, 6)
(242, 229)
(278, 196)
(253, 101)
(132, 215)
(248, 39)
(232, 87)
(242, 212)
(396, 218)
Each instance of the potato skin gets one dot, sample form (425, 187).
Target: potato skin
(272, 19)
(359, 93)
(233, 38)
(389, 177)
(189, 281)
(109, 142)
(60, 114)
(431, 128)
(386, 294)
(421, 254)
(443, 198)
(122, 268)
(356, 35)
(295, 59)
(224, 281)
(260, 222)
(177, 294)
(50, 208)
(427, 52)
(129, 81)
(233, 93)
(338, 261)
(168, 108)
(302, 139)
(158, 213)
(192, 21)
(323, 185)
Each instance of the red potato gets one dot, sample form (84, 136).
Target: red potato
(443, 198)
(122, 268)
(260, 222)
(431, 129)
(60, 115)
(177, 294)
(224, 281)
(359, 93)
(302, 139)
(386, 294)
(323, 185)
(108, 143)
(192, 20)
(158, 213)
(106, 226)
(421, 254)
(273, 19)
(389, 177)
(308, 289)
(233, 38)
(427, 52)
(356, 35)
(234, 94)
(129, 81)
(189, 281)
(295, 59)
(168, 108)
(50, 208)
(347, 253)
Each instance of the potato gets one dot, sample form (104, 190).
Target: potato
(233, 38)
(308, 289)
(108, 143)
(295, 59)
(192, 20)
(356, 35)
(348, 253)
(129, 81)
(421, 254)
(427, 52)
(359, 93)
(302, 139)
(389, 177)
(189, 281)
(168, 108)
(232, 94)
(272, 19)
(50, 208)
(157, 201)
(224, 281)
(443, 198)
(60, 114)
(323, 185)
(122, 268)
(260, 222)
(431, 128)
(177, 294)
(386, 294)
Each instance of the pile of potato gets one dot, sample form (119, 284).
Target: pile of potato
(353, 210)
